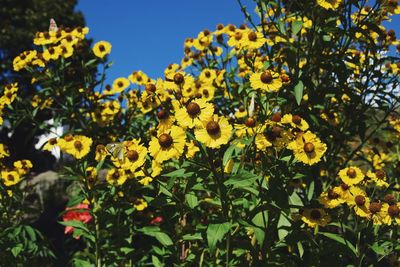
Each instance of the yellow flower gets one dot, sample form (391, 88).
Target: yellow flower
(229, 166)
(377, 214)
(194, 114)
(101, 153)
(329, 4)
(146, 180)
(139, 78)
(135, 156)
(295, 121)
(359, 201)
(378, 177)
(140, 204)
(241, 112)
(307, 148)
(248, 128)
(343, 191)
(91, 176)
(53, 53)
(66, 50)
(330, 199)
(23, 166)
(351, 175)
(119, 85)
(253, 40)
(393, 211)
(262, 142)
(10, 177)
(192, 149)
(268, 81)
(4, 152)
(116, 177)
(203, 40)
(168, 145)
(215, 132)
(78, 147)
(165, 120)
(101, 49)
(314, 216)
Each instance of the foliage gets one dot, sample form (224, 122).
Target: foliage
(270, 143)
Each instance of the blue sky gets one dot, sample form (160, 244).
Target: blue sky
(149, 35)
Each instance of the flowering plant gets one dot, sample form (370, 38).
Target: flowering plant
(272, 142)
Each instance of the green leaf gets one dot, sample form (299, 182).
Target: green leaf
(163, 238)
(242, 179)
(191, 200)
(31, 232)
(258, 219)
(296, 26)
(283, 225)
(177, 173)
(295, 200)
(189, 237)
(16, 250)
(298, 92)
(81, 263)
(215, 233)
(310, 192)
(340, 240)
(228, 154)
(156, 262)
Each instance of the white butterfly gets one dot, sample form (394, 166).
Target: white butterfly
(117, 150)
(251, 106)
(53, 26)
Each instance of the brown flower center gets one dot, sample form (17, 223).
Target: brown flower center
(380, 174)
(315, 214)
(10, 178)
(53, 141)
(162, 114)
(193, 109)
(250, 122)
(390, 199)
(266, 77)
(102, 48)
(100, 148)
(150, 87)
(375, 207)
(213, 128)
(132, 155)
(393, 211)
(296, 119)
(78, 144)
(68, 138)
(276, 117)
(165, 140)
(344, 186)
(309, 147)
(178, 78)
(352, 173)
(360, 200)
(238, 36)
(285, 78)
(115, 175)
(332, 194)
(252, 36)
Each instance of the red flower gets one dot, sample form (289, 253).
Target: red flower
(74, 215)
(157, 220)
